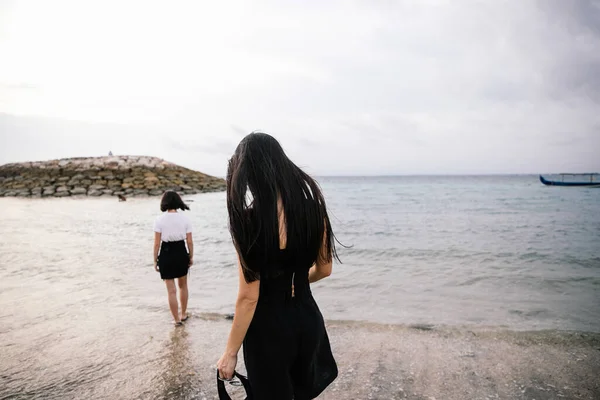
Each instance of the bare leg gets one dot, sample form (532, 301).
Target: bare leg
(183, 295)
(172, 291)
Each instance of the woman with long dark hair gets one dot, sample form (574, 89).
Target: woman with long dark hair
(284, 241)
(172, 231)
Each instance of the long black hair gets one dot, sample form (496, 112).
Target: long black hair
(259, 173)
(172, 201)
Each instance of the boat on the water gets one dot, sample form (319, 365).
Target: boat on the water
(589, 180)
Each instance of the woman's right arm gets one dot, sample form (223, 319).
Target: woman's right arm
(322, 268)
(245, 307)
(157, 236)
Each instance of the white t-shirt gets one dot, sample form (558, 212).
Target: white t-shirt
(173, 226)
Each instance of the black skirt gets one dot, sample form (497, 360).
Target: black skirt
(173, 260)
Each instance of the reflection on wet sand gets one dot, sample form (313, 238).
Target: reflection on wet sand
(186, 366)
(177, 379)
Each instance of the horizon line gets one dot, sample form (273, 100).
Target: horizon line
(395, 175)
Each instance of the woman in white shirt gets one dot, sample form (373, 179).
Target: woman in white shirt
(172, 230)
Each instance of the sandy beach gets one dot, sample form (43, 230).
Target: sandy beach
(157, 361)
(425, 363)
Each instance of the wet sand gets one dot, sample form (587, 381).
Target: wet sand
(153, 360)
(424, 363)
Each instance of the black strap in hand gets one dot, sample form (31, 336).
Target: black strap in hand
(223, 395)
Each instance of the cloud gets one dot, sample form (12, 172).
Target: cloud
(347, 87)
(18, 86)
(213, 146)
(239, 131)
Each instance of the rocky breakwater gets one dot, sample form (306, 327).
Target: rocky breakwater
(102, 176)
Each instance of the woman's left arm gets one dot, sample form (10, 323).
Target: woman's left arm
(244, 312)
(189, 240)
(190, 245)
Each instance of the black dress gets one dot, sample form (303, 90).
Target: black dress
(286, 349)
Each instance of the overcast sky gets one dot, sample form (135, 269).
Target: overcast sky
(348, 87)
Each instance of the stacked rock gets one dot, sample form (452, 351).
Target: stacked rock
(103, 176)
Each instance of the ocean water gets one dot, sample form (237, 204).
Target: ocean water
(495, 251)
(492, 250)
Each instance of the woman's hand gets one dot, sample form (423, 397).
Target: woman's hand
(226, 366)
(191, 262)
(156, 266)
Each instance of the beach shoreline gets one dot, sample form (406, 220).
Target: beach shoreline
(375, 361)
(426, 362)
